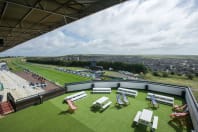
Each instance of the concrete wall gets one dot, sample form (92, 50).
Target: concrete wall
(76, 87)
(133, 85)
(105, 84)
(193, 108)
(129, 84)
(166, 89)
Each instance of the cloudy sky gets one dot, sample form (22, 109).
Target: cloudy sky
(134, 27)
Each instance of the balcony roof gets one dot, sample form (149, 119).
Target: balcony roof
(22, 20)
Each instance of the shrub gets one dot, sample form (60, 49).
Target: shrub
(190, 76)
(156, 74)
(179, 74)
(172, 73)
(196, 74)
(164, 74)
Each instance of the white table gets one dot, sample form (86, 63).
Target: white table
(101, 100)
(146, 117)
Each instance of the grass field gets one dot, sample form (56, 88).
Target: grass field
(48, 72)
(51, 116)
(51, 74)
(112, 73)
(54, 66)
(54, 75)
(177, 80)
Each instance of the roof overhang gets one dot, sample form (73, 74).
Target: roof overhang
(22, 20)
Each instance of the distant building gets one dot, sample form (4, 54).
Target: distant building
(94, 67)
(110, 69)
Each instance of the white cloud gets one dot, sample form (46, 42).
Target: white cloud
(134, 27)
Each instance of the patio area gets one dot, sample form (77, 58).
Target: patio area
(53, 116)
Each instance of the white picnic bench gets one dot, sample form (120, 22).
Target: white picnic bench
(103, 102)
(127, 91)
(101, 90)
(145, 117)
(76, 96)
(161, 98)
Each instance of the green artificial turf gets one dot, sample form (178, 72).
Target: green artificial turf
(52, 116)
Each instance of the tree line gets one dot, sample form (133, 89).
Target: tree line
(134, 68)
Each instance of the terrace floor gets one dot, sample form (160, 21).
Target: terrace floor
(52, 116)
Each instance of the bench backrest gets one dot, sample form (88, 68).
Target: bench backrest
(75, 95)
(102, 89)
(127, 90)
(157, 96)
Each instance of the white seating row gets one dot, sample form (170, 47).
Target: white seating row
(101, 90)
(155, 123)
(161, 98)
(38, 85)
(76, 96)
(127, 91)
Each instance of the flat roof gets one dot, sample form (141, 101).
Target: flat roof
(22, 20)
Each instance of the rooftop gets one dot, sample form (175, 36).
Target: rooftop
(52, 116)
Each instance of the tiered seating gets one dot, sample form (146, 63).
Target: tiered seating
(127, 91)
(76, 96)
(161, 98)
(101, 90)
(6, 108)
(16, 85)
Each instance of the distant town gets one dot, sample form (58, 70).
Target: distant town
(171, 64)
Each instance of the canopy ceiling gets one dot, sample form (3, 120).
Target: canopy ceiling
(22, 20)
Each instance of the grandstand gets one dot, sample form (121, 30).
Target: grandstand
(16, 85)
